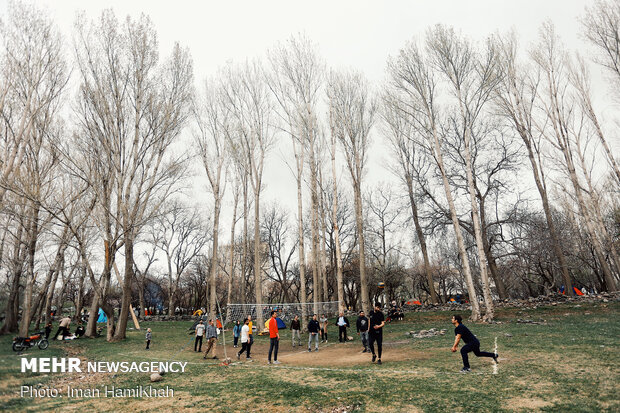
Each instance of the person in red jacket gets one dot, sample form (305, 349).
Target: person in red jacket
(274, 338)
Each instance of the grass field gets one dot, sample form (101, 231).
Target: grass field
(571, 364)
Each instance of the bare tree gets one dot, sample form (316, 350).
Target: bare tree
(178, 232)
(514, 97)
(472, 78)
(215, 128)
(411, 74)
(404, 149)
(132, 108)
(560, 124)
(352, 110)
(250, 101)
(296, 78)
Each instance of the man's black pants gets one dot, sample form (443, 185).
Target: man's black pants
(342, 334)
(273, 348)
(198, 343)
(245, 347)
(375, 338)
(475, 347)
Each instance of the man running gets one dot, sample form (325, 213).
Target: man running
(375, 335)
(471, 343)
(274, 338)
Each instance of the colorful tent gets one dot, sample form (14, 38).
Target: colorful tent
(102, 317)
(279, 321)
(414, 302)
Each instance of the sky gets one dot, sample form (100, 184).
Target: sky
(350, 34)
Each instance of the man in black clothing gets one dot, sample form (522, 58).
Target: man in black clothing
(313, 333)
(362, 330)
(377, 321)
(471, 343)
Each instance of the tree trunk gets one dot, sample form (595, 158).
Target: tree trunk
(362, 249)
(299, 156)
(257, 259)
(214, 254)
(421, 240)
(473, 297)
(486, 288)
(314, 230)
(30, 274)
(339, 278)
(123, 316)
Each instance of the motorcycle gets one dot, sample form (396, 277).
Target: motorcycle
(37, 339)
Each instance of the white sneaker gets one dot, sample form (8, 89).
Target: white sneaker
(276, 362)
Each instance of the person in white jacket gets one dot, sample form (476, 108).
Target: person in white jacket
(245, 341)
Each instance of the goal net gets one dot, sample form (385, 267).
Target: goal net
(286, 311)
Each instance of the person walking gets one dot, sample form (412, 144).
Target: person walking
(362, 329)
(313, 333)
(211, 339)
(375, 335)
(343, 323)
(250, 336)
(200, 332)
(245, 339)
(236, 333)
(471, 343)
(323, 325)
(148, 337)
(295, 331)
(274, 339)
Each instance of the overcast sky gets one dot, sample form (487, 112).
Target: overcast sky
(360, 34)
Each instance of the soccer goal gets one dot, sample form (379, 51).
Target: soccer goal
(286, 311)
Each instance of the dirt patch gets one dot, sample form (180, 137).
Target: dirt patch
(342, 355)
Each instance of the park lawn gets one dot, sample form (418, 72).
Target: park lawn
(570, 364)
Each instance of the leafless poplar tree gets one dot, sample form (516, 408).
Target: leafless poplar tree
(411, 74)
(132, 107)
(352, 110)
(250, 101)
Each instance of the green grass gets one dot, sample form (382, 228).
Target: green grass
(570, 364)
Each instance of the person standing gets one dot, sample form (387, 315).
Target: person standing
(324, 322)
(375, 334)
(236, 333)
(200, 332)
(362, 329)
(295, 331)
(245, 339)
(313, 333)
(148, 337)
(343, 323)
(274, 339)
(211, 339)
(250, 336)
(471, 343)
(63, 327)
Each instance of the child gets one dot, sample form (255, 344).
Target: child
(148, 338)
(323, 321)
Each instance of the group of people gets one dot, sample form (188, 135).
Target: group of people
(369, 328)
(63, 329)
